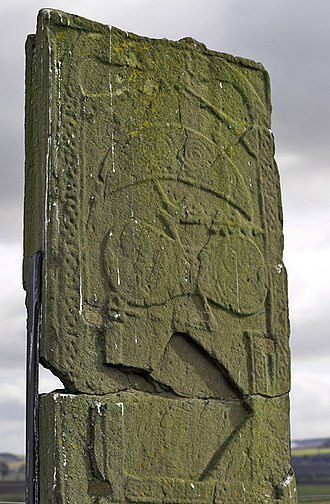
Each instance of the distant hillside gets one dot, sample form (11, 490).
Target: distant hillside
(9, 457)
(12, 467)
(297, 444)
(311, 460)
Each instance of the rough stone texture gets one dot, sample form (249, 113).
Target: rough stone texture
(152, 190)
(138, 447)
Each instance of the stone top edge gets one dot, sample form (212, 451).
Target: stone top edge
(132, 393)
(48, 17)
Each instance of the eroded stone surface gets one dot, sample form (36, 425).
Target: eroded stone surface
(136, 447)
(159, 207)
(152, 190)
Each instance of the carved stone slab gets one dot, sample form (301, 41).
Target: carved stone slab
(152, 190)
(135, 447)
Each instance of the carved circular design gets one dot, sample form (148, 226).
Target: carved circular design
(199, 152)
(233, 274)
(144, 266)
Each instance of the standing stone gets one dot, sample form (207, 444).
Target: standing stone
(152, 191)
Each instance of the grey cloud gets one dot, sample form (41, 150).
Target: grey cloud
(305, 190)
(12, 436)
(48, 381)
(12, 310)
(311, 338)
(13, 353)
(11, 410)
(310, 398)
(11, 220)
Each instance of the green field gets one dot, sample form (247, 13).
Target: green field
(314, 493)
(315, 500)
(319, 500)
(310, 451)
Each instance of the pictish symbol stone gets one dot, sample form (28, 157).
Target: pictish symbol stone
(152, 190)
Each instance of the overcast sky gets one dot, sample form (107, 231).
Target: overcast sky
(292, 39)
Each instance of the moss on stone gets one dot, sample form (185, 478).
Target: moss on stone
(152, 190)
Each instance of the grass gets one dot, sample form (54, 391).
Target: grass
(310, 500)
(310, 451)
(314, 493)
(305, 499)
(314, 490)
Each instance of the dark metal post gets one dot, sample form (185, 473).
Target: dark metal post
(32, 379)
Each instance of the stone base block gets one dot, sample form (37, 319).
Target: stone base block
(148, 448)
